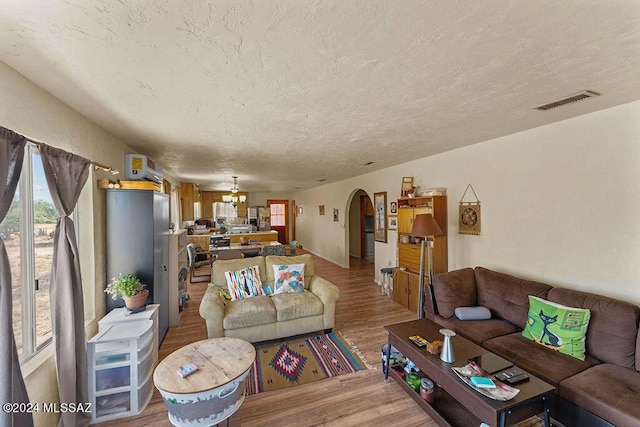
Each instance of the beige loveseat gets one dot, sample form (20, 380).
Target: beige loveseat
(262, 318)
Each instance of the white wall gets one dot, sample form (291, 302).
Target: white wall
(558, 204)
(30, 111)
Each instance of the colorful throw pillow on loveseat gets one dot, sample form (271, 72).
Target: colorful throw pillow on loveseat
(288, 278)
(244, 283)
(557, 326)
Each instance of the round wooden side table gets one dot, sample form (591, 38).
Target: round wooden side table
(212, 393)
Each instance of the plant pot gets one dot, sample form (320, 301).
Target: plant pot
(136, 301)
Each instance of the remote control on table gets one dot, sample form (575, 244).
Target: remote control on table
(509, 374)
(517, 379)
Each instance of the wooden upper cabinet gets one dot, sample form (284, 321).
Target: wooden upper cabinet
(210, 197)
(409, 253)
(207, 204)
(190, 194)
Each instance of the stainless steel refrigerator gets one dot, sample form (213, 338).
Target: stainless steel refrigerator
(264, 221)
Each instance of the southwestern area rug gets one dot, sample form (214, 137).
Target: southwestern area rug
(300, 361)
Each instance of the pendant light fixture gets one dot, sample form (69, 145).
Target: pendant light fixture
(233, 198)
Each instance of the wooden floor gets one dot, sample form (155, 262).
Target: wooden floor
(361, 399)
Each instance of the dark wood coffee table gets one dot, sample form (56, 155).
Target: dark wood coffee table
(456, 403)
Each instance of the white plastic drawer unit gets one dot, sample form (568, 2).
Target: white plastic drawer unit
(120, 360)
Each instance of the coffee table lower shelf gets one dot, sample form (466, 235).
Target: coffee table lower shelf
(445, 411)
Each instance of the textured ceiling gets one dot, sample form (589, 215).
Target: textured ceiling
(287, 93)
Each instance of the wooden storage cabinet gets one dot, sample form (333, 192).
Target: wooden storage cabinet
(120, 369)
(409, 253)
(178, 259)
(406, 216)
(405, 289)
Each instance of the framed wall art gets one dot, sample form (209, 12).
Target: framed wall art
(380, 206)
(393, 222)
(321, 209)
(393, 208)
(407, 186)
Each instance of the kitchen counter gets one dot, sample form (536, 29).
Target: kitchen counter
(202, 240)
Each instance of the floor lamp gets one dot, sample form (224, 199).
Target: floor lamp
(424, 225)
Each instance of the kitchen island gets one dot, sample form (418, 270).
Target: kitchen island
(203, 240)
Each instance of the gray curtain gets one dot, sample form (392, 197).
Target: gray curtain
(66, 174)
(13, 389)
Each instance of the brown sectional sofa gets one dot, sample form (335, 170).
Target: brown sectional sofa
(604, 389)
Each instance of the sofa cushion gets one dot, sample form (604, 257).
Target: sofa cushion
(454, 289)
(478, 331)
(507, 296)
(244, 283)
(546, 364)
(296, 305)
(249, 312)
(472, 313)
(557, 326)
(613, 327)
(608, 391)
(220, 266)
(305, 259)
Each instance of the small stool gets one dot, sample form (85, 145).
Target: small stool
(387, 282)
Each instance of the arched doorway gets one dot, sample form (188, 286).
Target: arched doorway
(361, 216)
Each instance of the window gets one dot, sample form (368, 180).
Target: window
(27, 231)
(277, 212)
(224, 210)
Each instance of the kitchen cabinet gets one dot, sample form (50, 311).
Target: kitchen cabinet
(190, 196)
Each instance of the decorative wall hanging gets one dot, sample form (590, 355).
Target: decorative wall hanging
(407, 186)
(321, 209)
(393, 208)
(380, 205)
(469, 214)
(335, 215)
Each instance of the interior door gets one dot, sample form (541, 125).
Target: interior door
(279, 210)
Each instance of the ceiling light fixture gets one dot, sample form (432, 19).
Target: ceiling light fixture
(234, 197)
(234, 189)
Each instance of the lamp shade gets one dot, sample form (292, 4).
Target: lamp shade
(424, 225)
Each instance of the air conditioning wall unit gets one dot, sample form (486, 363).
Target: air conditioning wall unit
(140, 167)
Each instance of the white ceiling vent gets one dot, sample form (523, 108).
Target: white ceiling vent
(567, 100)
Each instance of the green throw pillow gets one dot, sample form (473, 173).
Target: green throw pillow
(557, 326)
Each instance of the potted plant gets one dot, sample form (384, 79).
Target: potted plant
(130, 288)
